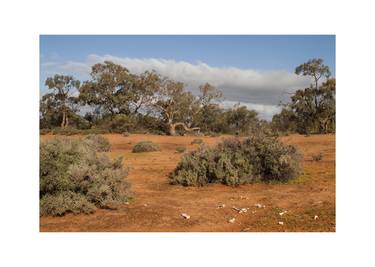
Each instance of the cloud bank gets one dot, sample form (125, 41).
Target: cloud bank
(259, 90)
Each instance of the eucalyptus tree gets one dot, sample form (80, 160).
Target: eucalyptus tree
(61, 100)
(108, 91)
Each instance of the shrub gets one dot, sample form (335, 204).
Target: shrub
(214, 135)
(145, 146)
(317, 157)
(181, 149)
(197, 142)
(63, 202)
(66, 131)
(235, 162)
(75, 178)
(44, 131)
(98, 142)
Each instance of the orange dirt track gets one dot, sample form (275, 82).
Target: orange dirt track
(157, 205)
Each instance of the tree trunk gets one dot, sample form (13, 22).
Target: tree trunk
(66, 121)
(172, 128)
(63, 120)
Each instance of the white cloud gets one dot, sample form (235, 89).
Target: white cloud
(261, 90)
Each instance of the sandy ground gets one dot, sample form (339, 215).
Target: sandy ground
(309, 201)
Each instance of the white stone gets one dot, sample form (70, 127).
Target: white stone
(186, 216)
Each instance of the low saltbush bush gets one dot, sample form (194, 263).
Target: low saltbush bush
(197, 142)
(235, 162)
(145, 146)
(317, 157)
(180, 149)
(75, 178)
(98, 142)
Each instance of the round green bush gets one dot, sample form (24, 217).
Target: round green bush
(145, 146)
(234, 162)
(75, 178)
(180, 149)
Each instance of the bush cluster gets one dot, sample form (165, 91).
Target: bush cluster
(145, 146)
(75, 178)
(73, 131)
(235, 162)
(98, 143)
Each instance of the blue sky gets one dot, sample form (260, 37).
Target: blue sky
(255, 70)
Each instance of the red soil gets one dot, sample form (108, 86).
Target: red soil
(157, 205)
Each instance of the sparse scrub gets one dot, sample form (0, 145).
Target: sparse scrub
(126, 134)
(44, 131)
(197, 142)
(74, 178)
(65, 201)
(66, 131)
(234, 162)
(317, 157)
(181, 149)
(213, 134)
(145, 146)
(98, 143)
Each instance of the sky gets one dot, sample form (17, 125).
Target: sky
(253, 70)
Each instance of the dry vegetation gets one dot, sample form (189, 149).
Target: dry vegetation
(306, 203)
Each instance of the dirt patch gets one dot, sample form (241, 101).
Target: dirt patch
(309, 200)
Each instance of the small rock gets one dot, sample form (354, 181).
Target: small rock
(243, 210)
(281, 223)
(145, 205)
(186, 216)
(259, 206)
(221, 206)
(236, 209)
(232, 220)
(282, 213)
(316, 217)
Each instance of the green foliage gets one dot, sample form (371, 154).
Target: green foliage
(145, 146)
(317, 157)
(234, 162)
(98, 143)
(60, 102)
(181, 149)
(197, 141)
(75, 178)
(285, 122)
(313, 109)
(122, 123)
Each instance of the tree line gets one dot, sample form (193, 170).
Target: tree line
(116, 100)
